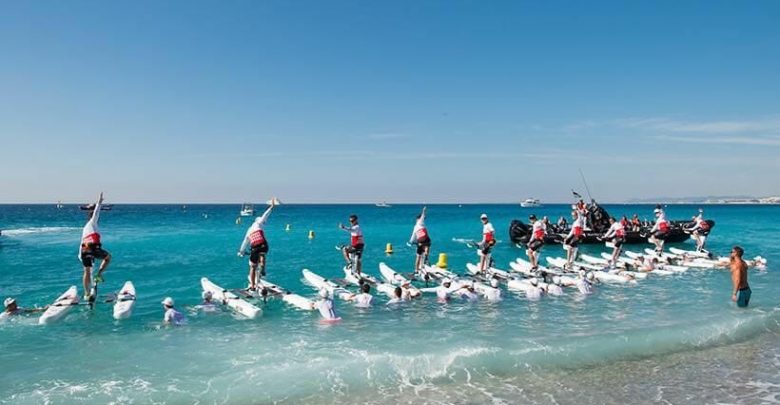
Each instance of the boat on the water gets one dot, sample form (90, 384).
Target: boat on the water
(274, 201)
(91, 207)
(531, 203)
(383, 204)
(247, 210)
(598, 224)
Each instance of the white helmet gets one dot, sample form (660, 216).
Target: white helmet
(494, 283)
(168, 302)
(8, 302)
(534, 281)
(324, 293)
(557, 280)
(207, 295)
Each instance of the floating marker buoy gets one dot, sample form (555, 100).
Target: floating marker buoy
(311, 234)
(238, 221)
(287, 228)
(442, 264)
(389, 249)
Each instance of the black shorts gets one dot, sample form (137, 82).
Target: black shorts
(91, 252)
(422, 245)
(572, 241)
(618, 242)
(660, 235)
(357, 250)
(535, 245)
(257, 251)
(487, 247)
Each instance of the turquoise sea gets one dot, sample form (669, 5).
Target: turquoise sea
(676, 339)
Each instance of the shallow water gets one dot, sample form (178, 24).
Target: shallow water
(675, 339)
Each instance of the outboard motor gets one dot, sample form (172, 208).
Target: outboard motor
(519, 232)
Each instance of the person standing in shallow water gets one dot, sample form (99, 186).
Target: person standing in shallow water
(741, 290)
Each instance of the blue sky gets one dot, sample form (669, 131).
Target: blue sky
(424, 101)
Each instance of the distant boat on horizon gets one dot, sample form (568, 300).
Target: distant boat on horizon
(91, 207)
(247, 210)
(59, 205)
(531, 203)
(274, 201)
(383, 204)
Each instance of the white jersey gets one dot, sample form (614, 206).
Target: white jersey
(661, 219)
(174, 317)
(469, 295)
(488, 232)
(90, 230)
(584, 286)
(325, 306)
(363, 300)
(613, 230)
(442, 293)
(538, 231)
(578, 223)
(533, 293)
(554, 289)
(419, 231)
(255, 230)
(396, 301)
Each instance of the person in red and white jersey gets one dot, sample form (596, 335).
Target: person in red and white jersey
(356, 243)
(421, 237)
(616, 235)
(572, 241)
(660, 229)
(255, 239)
(91, 248)
(536, 241)
(486, 244)
(700, 230)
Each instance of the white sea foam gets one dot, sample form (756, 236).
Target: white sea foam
(36, 230)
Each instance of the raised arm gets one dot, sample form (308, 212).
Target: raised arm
(96, 212)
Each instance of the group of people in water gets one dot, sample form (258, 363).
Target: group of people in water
(255, 244)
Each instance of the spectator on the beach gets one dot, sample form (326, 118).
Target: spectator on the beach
(741, 289)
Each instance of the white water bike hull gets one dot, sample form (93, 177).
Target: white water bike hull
(125, 301)
(61, 306)
(233, 301)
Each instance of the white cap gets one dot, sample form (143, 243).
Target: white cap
(207, 295)
(534, 281)
(494, 283)
(591, 276)
(556, 280)
(324, 293)
(657, 210)
(8, 301)
(168, 302)
(483, 216)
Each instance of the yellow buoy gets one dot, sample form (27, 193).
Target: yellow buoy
(389, 249)
(287, 228)
(442, 264)
(311, 234)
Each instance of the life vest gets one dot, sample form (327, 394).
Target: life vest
(663, 226)
(489, 236)
(620, 232)
(357, 240)
(91, 239)
(257, 238)
(422, 233)
(578, 231)
(704, 225)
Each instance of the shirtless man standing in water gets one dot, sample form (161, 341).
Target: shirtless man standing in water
(741, 290)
